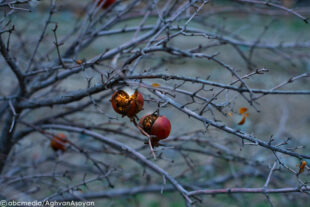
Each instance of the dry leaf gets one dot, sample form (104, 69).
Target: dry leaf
(243, 109)
(302, 167)
(230, 113)
(242, 120)
(79, 62)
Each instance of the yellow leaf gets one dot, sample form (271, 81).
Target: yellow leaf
(155, 85)
(230, 113)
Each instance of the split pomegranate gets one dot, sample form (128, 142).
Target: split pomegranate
(157, 126)
(127, 105)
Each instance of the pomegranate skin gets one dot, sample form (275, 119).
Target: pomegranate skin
(157, 126)
(136, 105)
(59, 142)
(161, 127)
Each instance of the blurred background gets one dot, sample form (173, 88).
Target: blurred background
(193, 154)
